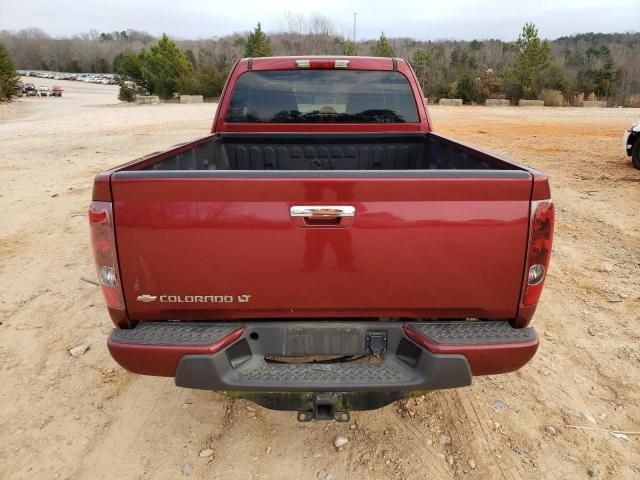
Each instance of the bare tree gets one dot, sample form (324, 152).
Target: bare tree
(306, 35)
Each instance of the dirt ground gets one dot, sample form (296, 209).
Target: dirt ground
(85, 418)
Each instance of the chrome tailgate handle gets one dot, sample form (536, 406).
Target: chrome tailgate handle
(322, 211)
(322, 216)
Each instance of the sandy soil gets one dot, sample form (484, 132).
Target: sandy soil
(64, 417)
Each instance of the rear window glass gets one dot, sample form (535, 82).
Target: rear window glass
(322, 96)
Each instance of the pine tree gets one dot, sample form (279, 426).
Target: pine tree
(534, 57)
(162, 66)
(383, 49)
(258, 44)
(600, 75)
(8, 75)
(422, 63)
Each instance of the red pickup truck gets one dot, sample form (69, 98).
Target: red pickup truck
(322, 250)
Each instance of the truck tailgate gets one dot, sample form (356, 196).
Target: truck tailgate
(202, 245)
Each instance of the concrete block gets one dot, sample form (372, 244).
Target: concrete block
(531, 103)
(146, 99)
(191, 99)
(594, 103)
(497, 102)
(453, 102)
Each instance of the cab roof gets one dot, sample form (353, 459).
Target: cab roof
(289, 62)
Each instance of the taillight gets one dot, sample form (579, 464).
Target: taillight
(104, 251)
(322, 64)
(541, 239)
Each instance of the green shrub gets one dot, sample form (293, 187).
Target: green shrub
(127, 93)
(211, 82)
(188, 84)
(349, 48)
(208, 83)
(467, 90)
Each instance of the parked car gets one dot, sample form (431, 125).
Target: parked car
(56, 91)
(631, 142)
(323, 249)
(30, 90)
(43, 91)
(19, 89)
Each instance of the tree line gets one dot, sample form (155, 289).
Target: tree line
(604, 66)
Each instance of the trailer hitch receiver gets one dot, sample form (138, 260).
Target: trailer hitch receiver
(323, 409)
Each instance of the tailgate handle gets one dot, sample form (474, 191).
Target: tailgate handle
(322, 215)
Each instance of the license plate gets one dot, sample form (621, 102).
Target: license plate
(325, 340)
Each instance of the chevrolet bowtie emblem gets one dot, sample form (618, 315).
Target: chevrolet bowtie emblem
(147, 298)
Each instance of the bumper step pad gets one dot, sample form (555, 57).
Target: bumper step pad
(172, 333)
(474, 333)
(318, 374)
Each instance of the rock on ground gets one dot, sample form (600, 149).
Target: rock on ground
(78, 351)
(205, 453)
(340, 441)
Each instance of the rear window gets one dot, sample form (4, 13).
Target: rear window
(322, 96)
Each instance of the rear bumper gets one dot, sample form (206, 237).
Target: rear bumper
(231, 356)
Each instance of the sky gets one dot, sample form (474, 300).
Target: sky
(420, 19)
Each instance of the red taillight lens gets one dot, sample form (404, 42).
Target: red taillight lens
(104, 251)
(542, 218)
(322, 64)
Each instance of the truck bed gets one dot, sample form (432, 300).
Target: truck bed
(407, 151)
